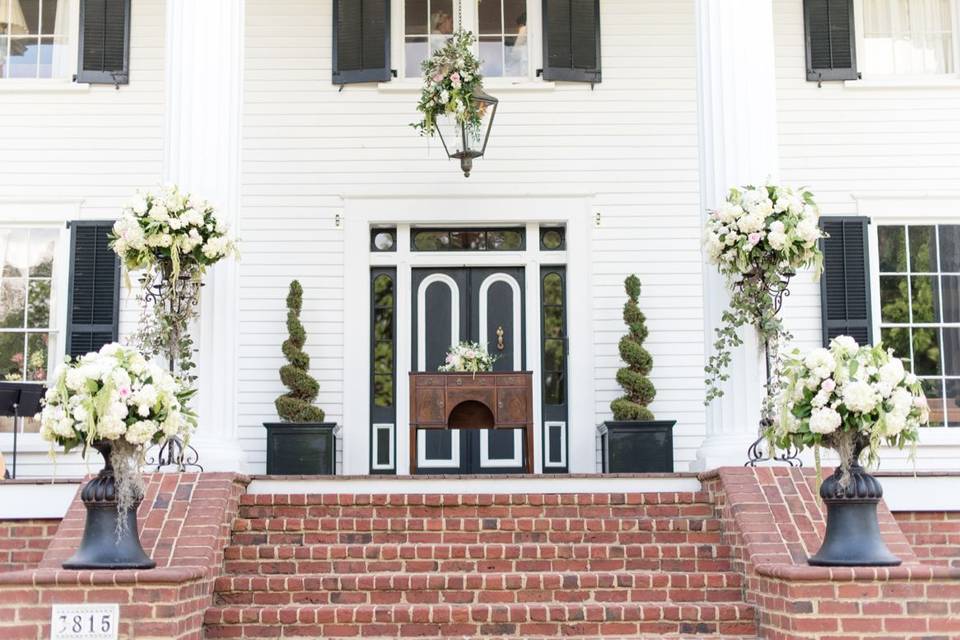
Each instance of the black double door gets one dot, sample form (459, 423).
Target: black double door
(484, 305)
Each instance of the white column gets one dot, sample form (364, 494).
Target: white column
(738, 145)
(204, 71)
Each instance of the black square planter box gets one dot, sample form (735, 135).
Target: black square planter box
(637, 447)
(301, 448)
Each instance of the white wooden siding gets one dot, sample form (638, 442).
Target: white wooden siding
(632, 141)
(843, 139)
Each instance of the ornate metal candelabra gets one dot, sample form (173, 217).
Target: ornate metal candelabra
(756, 453)
(168, 338)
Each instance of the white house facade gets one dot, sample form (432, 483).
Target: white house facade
(620, 123)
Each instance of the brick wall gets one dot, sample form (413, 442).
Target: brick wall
(773, 521)
(934, 535)
(185, 523)
(22, 542)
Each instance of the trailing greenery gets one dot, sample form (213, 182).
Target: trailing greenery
(633, 377)
(297, 404)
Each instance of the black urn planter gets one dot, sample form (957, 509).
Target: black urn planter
(105, 545)
(853, 537)
(637, 446)
(301, 448)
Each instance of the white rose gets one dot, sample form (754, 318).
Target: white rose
(895, 422)
(444, 97)
(750, 223)
(777, 236)
(860, 397)
(111, 428)
(844, 344)
(820, 362)
(809, 231)
(76, 380)
(824, 421)
(139, 205)
(822, 398)
(729, 212)
(892, 372)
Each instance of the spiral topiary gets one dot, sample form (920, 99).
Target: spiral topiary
(633, 378)
(297, 404)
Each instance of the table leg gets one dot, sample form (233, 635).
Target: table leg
(529, 431)
(413, 450)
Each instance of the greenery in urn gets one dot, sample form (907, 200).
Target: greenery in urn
(639, 390)
(297, 404)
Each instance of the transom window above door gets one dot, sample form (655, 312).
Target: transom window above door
(909, 37)
(500, 26)
(457, 239)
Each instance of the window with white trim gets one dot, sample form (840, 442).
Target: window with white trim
(34, 39)
(28, 318)
(919, 285)
(500, 26)
(909, 37)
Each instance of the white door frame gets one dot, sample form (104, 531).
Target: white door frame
(361, 211)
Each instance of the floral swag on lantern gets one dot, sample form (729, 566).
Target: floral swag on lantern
(847, 398)
(116, 395)
(468, 357)
(450, 77)
(758, 240)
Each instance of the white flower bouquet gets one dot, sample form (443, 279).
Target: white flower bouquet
(167, 226)
(758, 239)
(450, 77)
(468, 357)
(847, 398)
(116, 395)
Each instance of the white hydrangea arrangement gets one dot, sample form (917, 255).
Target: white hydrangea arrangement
(450, 77)
(847, 394)
(759, 239)
(166, 225)
(468, 357)
(117, 395)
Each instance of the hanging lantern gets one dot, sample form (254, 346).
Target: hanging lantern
(467, 143)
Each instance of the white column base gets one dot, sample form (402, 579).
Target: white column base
(722, 451)
(220, 455)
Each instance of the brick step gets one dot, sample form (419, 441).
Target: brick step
(603, 620)
(433, 588)
(481, 558)
(446, 522)
(540, 536)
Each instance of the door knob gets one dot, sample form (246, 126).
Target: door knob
(500, 338)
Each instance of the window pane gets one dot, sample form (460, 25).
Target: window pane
(926, 352)
(953, 403)
(898, 339)
(892, 244)
(37, 350)
(415, 52)
(552, 289)
(383, 324)
(951, 351)
(383, 358)
(441, 16)
(24, 56)
(515, 56)
(45, 57)
(893, 299)
(13, 249)
(416, 17)
(51, 23)
(42, 245)
(553, 322)
(27, 19)
(552, 239)
(11, 355)
(12, 302)
(383, 291)
(504, 240)
(467, 240)
(923, 250)
(515, 17)
(383, 390)
(553, 355)
(950, 291)
(38, 304)
(430, 240)
(933, 389)
(553, 388)
(489, 16)
(491, 55)
(925, 299)
(950, 248)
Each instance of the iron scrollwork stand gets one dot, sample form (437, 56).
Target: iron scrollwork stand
(757, 453)
(174, 451)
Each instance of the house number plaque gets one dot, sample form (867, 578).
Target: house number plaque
(84, 622)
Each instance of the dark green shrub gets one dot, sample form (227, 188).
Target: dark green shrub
(639, 391)
(297, 404)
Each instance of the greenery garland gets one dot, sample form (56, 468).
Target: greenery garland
(633, 378)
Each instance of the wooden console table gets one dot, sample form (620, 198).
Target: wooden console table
(502, 400)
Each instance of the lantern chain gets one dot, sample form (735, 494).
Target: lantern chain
(459, 15)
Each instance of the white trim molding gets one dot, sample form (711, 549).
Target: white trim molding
(453, 462)
(390, 428)
(516, 460)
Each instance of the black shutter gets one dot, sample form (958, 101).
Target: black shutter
(94, 296)
(831, 40)
(104, 42)
(571, 40)
(845, 285)
(361, 41)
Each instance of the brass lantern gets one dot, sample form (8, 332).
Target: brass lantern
(463, 143)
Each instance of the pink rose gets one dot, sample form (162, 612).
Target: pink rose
(438, 78)
(754, 238)
(455, 79)
(828, 385)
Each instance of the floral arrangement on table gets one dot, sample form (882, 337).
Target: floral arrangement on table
(450, 77)
(847, 398)
(468, 357)
(174, 237)
(118, 401)
(758, 239)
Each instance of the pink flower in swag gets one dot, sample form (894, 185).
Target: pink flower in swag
(438, 78)
(455, 80)
(124, 392)
(828, 385)
(754, 238)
